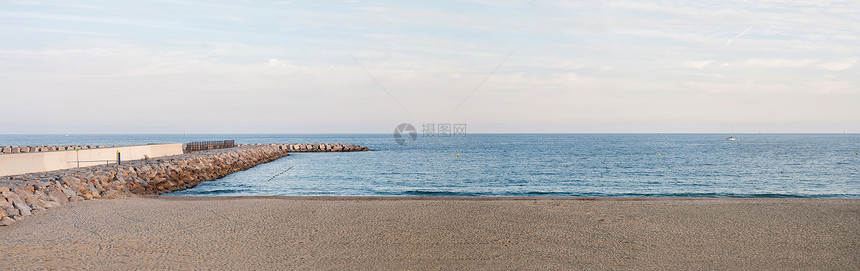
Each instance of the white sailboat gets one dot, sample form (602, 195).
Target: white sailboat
(732, 137)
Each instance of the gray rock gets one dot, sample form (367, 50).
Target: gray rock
(109, 194)
(52, 204)
(69, 192)
(56, 195)
(38, 202)
(6, 221)
(23, 208)
(11, 211)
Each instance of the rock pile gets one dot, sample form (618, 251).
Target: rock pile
(25, 194)
(28, 149)
(319, 147)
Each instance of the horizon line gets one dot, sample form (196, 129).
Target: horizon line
(452, 135)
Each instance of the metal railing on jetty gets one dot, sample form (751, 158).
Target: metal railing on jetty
(209, 145)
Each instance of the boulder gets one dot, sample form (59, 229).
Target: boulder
(23, 208)
(55, 194)
(36, 208)
(6, 221)
(51, 204)
(37, 202)
(11, 211)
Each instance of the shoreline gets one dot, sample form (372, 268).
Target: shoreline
(270, 232)
(469, 198)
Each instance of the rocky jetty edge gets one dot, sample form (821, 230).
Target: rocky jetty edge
(23, 195)
(32, 149)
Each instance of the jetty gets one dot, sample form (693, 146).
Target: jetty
(149, 173)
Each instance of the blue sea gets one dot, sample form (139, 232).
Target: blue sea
(583, 165)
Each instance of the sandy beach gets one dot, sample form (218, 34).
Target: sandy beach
(437, 233)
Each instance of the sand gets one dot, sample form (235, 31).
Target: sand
(437, 233)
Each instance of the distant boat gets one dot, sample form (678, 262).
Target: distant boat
(732, 137)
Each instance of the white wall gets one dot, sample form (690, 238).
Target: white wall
(20, 163)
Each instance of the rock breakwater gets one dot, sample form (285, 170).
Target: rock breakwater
(319, 147)
(32, 149)
(23, 195)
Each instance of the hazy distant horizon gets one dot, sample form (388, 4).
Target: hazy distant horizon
(170, 66)
(482, 133)
(646, 128)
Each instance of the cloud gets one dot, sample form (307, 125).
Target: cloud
(837, 65)
(381, 36)
(376, 9)
(840, 65)
(62, 5)
(831, 87)
(582, 59)
(51, 30)
(696, 64)
(778, 63)
(274, 62)
(729, 42)
(148, 23)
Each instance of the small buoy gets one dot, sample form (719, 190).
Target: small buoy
(458, 155)
(658, 154)
(857, 153)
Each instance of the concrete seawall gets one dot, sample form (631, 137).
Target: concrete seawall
(42, 148)
(23, 195)
(38, 161)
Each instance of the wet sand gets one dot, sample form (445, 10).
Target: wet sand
(207, 233)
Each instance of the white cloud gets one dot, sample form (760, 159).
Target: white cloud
(381, 36)
(597, 60)
(832, 87)
(696, 64)
(274, 62)
(729, 42)
(778, 63)
(836, 65)
(840, 65)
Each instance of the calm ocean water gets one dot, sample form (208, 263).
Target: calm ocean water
(664, 165)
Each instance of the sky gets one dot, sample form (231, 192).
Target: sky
(537, 66)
